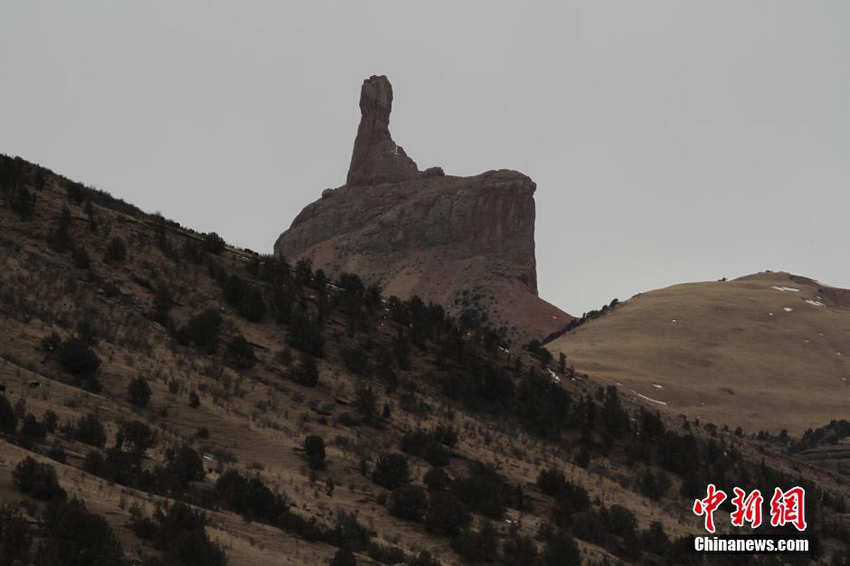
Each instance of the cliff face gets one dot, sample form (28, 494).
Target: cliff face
(459, 241)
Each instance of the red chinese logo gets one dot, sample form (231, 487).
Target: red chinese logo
(788, 507)
(747, 509)
(709, 505)
(785, 507)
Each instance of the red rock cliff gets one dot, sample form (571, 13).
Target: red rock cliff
(459, 241)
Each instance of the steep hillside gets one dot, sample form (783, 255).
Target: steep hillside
(211, 405)
(466, 243)
(769, 351)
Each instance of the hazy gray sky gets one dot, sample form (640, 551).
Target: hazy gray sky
(670, 141)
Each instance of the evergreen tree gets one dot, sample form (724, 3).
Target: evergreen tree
(139, 391)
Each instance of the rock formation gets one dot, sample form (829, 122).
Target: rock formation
(463, 242)
(376, 157)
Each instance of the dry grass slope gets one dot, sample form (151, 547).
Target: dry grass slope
(766, 352)
(254, 420)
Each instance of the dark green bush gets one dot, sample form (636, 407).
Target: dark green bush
(38, 480)
(213, 243)
(116, 250)
(356, 360)
(163, 301)
(408, 502)
(8, 418)
(81, 258)
(344, 557)
(252, 306)
(90, 431)
(655, 539)
(478, 546)
(571, 499)
(520, 550)
(240, 353)
(436, 479)
(76, 537)
(305, 335)
(314, 451)
(561, 550)
(550, 481)
(446, 514)
(60, 237)
(15, 538)
(426, 445)
(483, 491)
(51, 342)
(424, 558)
(203, 330)
(50, 420)
(184, 465)
(366, 403)
(179, 531)
(23, 202)
(77, 358)
(620, 521)
(307, 371)
(391, 471)
(31, 432)
(249, 497)
(139, 391)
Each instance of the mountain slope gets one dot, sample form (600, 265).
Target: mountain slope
(245, 357)
(768, 351)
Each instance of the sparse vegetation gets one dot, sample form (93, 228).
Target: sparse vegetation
(178, 530)
(289, 359)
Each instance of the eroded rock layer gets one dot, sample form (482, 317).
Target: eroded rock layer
(464, 242)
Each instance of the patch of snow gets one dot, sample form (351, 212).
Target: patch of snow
(505, 350)
(618, 383)
(658, 386)
(839, 353)
(792, 289)
(770, 313)
(648, 398)
(555, 378)
(815, 303)
(675, 320)
(787, 309)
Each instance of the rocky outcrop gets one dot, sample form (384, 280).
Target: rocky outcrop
(376, 157)
(464, 242)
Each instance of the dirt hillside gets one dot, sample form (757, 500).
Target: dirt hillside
(769, 351)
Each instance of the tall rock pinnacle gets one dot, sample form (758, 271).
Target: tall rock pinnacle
(376, 158)
(466, 243)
